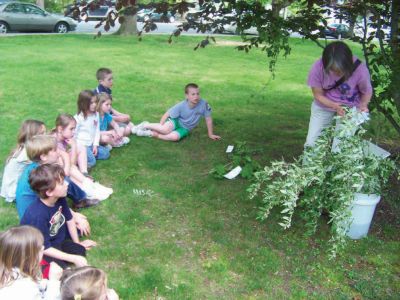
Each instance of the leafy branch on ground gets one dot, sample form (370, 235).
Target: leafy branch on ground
(240, 156)
(324, 179)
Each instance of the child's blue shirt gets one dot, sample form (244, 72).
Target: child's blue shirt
(25, 196)
(188, 116)
(105, 121)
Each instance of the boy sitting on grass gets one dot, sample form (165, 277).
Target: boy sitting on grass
(42, 149)
(179, 120)
(52, 216)
(105, 79)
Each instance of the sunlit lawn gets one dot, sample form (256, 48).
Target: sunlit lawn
(192, 236)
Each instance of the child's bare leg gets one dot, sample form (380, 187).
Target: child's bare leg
(106, 138)
(128, 129)
(163, 129)
(172, 136)
(76, 175)
(82, 159)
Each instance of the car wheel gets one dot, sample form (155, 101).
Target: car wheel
(61, 27)
(4, 28)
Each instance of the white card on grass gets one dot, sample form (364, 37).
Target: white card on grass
(233, 173)
(229, 149)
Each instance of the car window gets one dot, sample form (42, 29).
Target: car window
(101, 11)
(14, 8)
(30, 9)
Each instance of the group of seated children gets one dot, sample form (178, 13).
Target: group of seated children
(44, 169)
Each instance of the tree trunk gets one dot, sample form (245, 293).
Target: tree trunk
(40, 3)
(128, 26)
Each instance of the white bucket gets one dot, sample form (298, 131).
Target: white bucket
(362, 211)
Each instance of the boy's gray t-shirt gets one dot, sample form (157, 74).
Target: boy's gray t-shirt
(189, 117)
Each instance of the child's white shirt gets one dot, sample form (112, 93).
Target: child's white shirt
(12, 171)
(87, 132)
(25, 288)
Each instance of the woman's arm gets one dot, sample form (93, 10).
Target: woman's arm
(319, 95)
(364, 100)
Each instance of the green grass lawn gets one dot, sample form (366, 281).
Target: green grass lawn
(193, 236)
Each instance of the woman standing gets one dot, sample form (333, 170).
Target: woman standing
(337, 80)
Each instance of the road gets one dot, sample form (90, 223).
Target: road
(163, 28)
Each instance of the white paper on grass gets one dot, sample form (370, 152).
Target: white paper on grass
(376, 150)
(233, 173)
(229, 149)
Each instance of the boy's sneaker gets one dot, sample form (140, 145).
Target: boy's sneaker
(102, 188)
(134, 129)
(125, 140)
(144, 132)
(85, 203)
(141, 126)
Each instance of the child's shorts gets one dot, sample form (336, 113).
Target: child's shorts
(182, 132)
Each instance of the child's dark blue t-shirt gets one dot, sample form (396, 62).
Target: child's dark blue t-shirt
(49, 220)
(102, 89)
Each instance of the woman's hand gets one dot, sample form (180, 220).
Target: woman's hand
(339, 110)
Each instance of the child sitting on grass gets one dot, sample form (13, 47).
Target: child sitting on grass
(105, 78)
(179, 120)
(68, 150)
(117, 136)
(52, 216)
(86, 283)
(42, 149)
(88, 128)
(21, 250)
(64, 133)
(18, 160)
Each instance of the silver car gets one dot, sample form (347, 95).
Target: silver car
(18, 16)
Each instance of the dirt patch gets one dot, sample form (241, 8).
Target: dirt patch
(387, 213)
(229, 43)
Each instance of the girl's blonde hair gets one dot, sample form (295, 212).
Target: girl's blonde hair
(86, 283)
(28, 129)
(20, 248)
(63, 120)
(101, 98)
(39, 145)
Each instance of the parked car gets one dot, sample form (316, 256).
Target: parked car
(95, 12)
(336, 29)
(18, 16)
(146, 14)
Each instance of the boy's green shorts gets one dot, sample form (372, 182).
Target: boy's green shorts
(182, 132)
